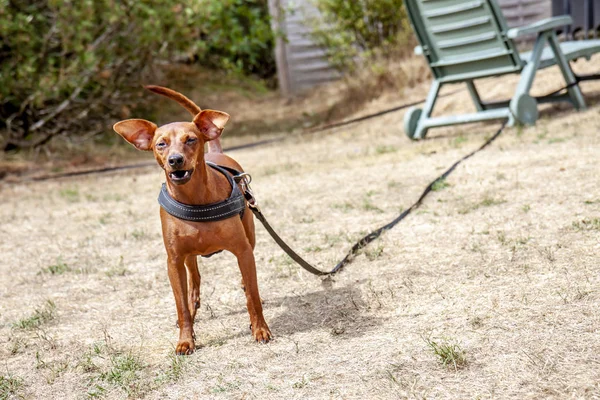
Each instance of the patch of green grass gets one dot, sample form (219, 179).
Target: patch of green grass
(449, 353)
(95, 391)
(373, 253)
(113, 197)
(587, 224)
(486, 202)
(459, 140)
(90, 197)
(140, 234)
(174, 371)
(275, 169)
(87, 364)
(301, 383)
(313, 249)
(367, 205)
(440, 184)
(52, 370)
(384, 149)
(224, 387)
(107, 368)
(519, 130)
(56, 269)
(540, 137)
(502, 237)
(39, 317)
(282, 259)
(333, 239)
(526, 208)
(9, 386)
(345, 206)
(588, 202)
(556, 140)
(17, 343)
(70, 194)
(124, 370)
(118, 270)
(105, 218)
(548, 253)
(307, 220)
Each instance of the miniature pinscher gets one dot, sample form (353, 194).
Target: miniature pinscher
(179, 149)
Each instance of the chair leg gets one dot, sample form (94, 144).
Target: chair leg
(475, 96)
(574, 91)
(522, 106)
(428, 108)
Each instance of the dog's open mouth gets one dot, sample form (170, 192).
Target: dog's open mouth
(181, 176)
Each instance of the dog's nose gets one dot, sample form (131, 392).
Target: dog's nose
(176, 160)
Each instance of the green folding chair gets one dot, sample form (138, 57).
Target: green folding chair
(464, 40)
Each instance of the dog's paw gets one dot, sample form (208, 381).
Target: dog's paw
(185, 347)
(262, 335)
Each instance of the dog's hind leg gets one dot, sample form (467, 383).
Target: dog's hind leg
(247, 265)
(193, 284)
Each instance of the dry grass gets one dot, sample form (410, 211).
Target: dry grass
(499, 266)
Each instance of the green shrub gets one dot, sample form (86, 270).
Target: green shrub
(66, 66)
(349, 30)
(236, 35)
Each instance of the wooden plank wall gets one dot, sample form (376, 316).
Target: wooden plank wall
(302, 65)
(523, 12)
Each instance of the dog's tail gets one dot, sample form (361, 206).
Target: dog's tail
(178, 97)
(214, 146)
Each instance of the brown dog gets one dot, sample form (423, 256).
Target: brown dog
(179, 149)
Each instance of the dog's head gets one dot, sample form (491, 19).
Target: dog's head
(178, 147)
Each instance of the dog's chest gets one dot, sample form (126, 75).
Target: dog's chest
(197, 237)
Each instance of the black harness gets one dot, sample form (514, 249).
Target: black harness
(234, 205)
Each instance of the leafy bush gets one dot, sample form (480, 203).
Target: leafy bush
(68, 65)
(359, 29)
(237, 35)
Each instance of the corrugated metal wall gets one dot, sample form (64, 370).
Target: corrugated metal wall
(301, 64)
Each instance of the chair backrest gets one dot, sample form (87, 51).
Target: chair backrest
(463, 39)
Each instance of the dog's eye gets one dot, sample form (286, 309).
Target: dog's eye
(161, 145)
(191, 140)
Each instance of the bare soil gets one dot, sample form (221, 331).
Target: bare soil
(489, 290)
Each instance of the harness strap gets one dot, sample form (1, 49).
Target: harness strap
(234, 205)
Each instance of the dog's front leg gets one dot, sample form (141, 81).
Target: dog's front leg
(247, 265)
(178, 279)
(193, 280)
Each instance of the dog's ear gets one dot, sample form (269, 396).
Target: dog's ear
(211, 123)
(138, 132)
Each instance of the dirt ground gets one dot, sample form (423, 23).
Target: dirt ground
(489, 290)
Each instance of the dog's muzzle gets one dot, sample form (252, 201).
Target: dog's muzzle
(181, 176)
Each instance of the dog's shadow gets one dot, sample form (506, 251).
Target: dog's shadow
(339, 310)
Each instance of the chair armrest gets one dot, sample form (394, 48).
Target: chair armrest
(540, 26)
(418, 51)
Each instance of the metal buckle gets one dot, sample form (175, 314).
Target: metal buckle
(244, 179)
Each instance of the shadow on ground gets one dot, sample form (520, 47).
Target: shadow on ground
(341, 310)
